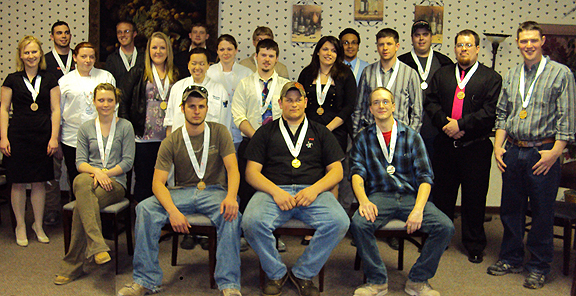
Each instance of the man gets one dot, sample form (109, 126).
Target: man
(462, 108)
(293, 163)
(391, 177)
(198, 36)
(127, 56)
(350, 41)
(426, 62)
(535, 117)
(204, 158)
(260, 34)
(58, 63)
(396, 76)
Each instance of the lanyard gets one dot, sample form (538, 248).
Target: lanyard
(423, 72)
(270, 90)
(393, 138)
(105, 153)
(294, 149)
(356, 67)
(392, 78)
(526, 100)
(200, 169)
(321, 92)
(66, 69)
(33, 90)
(462, 83)
(125, 59)
(163, 90)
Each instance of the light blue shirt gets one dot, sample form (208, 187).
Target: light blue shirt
(361, 67)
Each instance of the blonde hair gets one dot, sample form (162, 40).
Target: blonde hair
(109, 87)
(171, 71)
(21, 45)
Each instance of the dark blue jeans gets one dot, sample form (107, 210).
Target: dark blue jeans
(520, 187)
(399, 206)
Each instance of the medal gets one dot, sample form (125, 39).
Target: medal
(321, 92)
(388, 155)
(421, 71)
(462, 82)
(423, 85)
(104, 169)
(64, 69)
(390, 169)
(461, 95)
(296, 163)
(523, 114)
(34, 106)
(201, 185)
(163, 105)
(392, 78)
(162, 89)
(320, 111)
(34, 90)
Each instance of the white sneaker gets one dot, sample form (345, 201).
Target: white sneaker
(371, 290)
(420, 289)
(231, 292)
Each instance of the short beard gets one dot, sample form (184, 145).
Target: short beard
(196, 124)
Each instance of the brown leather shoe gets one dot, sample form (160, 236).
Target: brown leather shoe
(305, 287)
(274, 287)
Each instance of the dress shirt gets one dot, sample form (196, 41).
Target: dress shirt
(551, 108)
(250, 63)
(352, 64)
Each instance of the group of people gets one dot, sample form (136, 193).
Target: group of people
(242, 144)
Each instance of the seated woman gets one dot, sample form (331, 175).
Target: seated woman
(105, 152)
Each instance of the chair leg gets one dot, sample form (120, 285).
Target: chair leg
(212, 257)
(175, 249)
(400, 253)
(357, 261)
(567, 244)
(67, 225)
(321, 280)
(116, 230)
(261, 276)
(128, 225)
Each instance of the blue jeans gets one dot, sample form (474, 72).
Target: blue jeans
(151, 217)
(262, 216)
(519, 183)
(399, 206)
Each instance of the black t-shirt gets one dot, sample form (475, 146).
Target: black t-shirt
(319, 150)
(52, 66)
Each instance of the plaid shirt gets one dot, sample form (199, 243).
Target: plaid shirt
(410, 160)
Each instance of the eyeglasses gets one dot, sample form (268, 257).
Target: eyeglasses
(383, 102)
(350, 43)
(120, 32)
(198, 88)
(467, 45)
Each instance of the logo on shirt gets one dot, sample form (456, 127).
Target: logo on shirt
(225, 104)
(309, 143)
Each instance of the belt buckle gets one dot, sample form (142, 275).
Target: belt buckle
(457, 144)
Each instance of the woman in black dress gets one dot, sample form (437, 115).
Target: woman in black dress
(30, 138)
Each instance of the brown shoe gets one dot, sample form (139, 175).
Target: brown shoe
(274, 287)
(62, 280)
(305, 287)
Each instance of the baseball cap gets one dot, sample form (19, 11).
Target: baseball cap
(194, 89)
(290, 86)
(421, 24)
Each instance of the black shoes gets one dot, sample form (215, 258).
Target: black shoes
(476, 257)
(305, 287)
(274, 287)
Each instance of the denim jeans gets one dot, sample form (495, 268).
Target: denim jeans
(151, 217)
(399, 206)
(262, 216)
(519, 183)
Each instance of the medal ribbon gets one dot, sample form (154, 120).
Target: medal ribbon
(105, 153)
(462, 82)
(322, 92)
(270, 92)
(423, 72)
(200, 169)
(294, 149)
(163, 90)
(393, 138)
(34, 91)
(392, 78)
(356, 68)
(66, 69)
(125, 59)
(457, 104)
(526, 101)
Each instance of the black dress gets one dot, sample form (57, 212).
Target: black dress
(29, 131)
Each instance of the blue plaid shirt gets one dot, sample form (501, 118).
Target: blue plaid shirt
(410, 160)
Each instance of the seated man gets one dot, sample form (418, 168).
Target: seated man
(394, 185)
(200, 151)
(293, 163)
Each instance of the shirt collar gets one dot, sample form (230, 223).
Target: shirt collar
(534, 67)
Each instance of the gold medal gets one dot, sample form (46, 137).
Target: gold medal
(201, 185)
(163, 105)
(461, 95)
(423, 85)
(34, 106)
(390, 169)
(104, 169)
(320, 111)
(296, 163)
(523, 114)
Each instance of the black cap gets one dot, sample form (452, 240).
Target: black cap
(421, 24)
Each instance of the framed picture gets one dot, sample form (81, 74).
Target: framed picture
(306, 23)
(368, 10)
(433, 15)
(560, 44)
(172, 17)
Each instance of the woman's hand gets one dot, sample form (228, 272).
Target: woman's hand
(52, 147)
(102, 178)
(5, 146)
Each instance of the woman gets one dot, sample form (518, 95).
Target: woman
(331, 91)
(77, 100)
(147, 89)
(229, 73)
(30, 137)
(104, 153)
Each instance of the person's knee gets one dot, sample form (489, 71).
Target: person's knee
(81, 181)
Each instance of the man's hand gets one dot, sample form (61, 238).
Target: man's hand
(414, 221)
(305, 197)
(452, 129)
(547, 159)
(284, 200)
(368, 210)
(179, 222)
(229, 207)
(498, 154)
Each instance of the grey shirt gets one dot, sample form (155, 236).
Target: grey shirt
(122, 152)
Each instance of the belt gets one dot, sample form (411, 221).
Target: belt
(527, 144)
(460, 144)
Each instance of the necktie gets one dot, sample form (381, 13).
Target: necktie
(458, 103)
(267, 116)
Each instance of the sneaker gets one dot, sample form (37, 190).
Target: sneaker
(244, 246)
(371, 290)
(534, 280)
(274, 287)
(52, 218)
(188, 242)
(420, 289)
(231, 292)
(62, 280)
(102, 257)
(501, 268)
(280, 246)
(134, 289)
(305, 287)
(203, 242)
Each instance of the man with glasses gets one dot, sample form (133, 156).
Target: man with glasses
(391, 177)
(350, 41)
(461, 102)
(207, 177)
(127, 56)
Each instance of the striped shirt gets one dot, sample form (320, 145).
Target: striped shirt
(551, 109)
(407, 94)
(410, 161)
